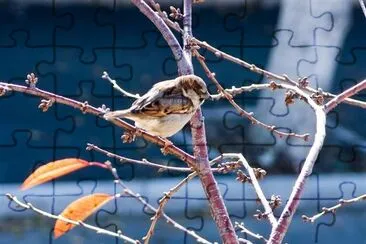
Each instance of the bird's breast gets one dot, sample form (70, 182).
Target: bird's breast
(165, 126)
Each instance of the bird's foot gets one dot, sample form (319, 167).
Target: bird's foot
(107, 116)
(167, 144)
(104, 110)
(128, 136)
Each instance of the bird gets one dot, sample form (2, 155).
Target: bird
(167, 107)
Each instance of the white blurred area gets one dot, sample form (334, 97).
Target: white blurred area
(305, 25)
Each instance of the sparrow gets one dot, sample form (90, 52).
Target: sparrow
(167, 107)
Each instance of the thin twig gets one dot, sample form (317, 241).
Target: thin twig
(98, 230)
(234, 91)
(223, 168)
(344, 95)
(86, 108)
(138, 197)
(163, 202)
(164, 16)
(168, 195)
(283, 78)
(106, 76)
(141, 162)
(267, 208)
(254, 181)
(248, 232)
(342, 203)
(363, 7)
(241, 111)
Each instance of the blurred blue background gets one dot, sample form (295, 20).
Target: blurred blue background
(68, 44)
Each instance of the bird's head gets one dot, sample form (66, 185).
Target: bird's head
(195, 83)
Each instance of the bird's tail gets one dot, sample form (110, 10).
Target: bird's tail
(116, 114)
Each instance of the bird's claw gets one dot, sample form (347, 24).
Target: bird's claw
(128, 137)
(167, 144)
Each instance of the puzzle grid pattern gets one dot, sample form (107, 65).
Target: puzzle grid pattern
(69, 48)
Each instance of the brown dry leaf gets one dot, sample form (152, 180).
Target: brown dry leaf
(79, 210)
(52, 171)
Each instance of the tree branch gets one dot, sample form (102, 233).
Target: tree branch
(241, 111)
(182, 62)
(86, 108)
(344, 95)
(210, 186)
(138, 197)
(164, 16)
(363, 7)
(140, 162)
(249, 233)
(342, 203)
(267, 208)
(98, 230)
(167, 196)
(117, 87)
(283, 78)
(278, 233)
(217, 206)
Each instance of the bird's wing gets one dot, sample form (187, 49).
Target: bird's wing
(162, 99)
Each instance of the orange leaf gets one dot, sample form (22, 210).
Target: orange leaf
(52, 171)
(79, 210)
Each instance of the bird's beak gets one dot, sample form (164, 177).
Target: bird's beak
(207, 95)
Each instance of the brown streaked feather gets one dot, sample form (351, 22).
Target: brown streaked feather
(167, 105)
(153, 94)
(162, 99)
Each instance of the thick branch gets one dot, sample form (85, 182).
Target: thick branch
(284, 221)
(344, 95)
(210, 186)
(182, 62)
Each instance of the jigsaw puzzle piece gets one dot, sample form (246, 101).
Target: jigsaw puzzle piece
(238, 26)
(330, 194)
(22, 53)
(261, 145)
(30, 19)
(90, 128)
(83, 21)
(305, 19)
(22, 140)
(63, 65)
(18, 118)
(117, 19)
